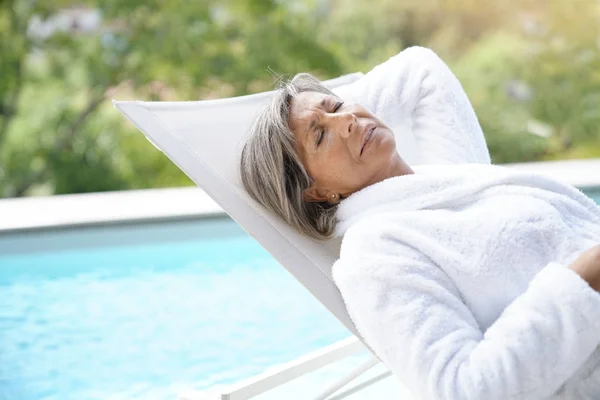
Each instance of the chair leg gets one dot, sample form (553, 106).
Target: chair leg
(370, 363)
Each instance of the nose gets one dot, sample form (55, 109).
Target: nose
(343, 124)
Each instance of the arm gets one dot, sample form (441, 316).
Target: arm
(417, 86)
(411, 314)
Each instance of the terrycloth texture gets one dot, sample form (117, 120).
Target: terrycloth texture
(457, 276)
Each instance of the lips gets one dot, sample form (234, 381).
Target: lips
(367, 137)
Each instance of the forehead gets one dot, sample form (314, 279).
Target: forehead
(303, 106)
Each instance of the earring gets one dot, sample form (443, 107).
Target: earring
(334, 198)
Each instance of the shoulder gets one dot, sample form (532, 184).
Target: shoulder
(376, 241)
(370, 235)
(378, 249)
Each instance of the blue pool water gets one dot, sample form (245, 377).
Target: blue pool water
(142, 311)
(594, 194)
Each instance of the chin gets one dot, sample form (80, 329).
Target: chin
(389, 133)
(387, 145)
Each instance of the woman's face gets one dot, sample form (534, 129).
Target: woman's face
(342, 146)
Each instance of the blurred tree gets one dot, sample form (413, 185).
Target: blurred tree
(530, 67)
(368, 33)
(61, 61)
(489, 73)
(562, 68)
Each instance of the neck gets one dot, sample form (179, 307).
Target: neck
(396, 167)
(399, 167)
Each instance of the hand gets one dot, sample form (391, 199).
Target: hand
(587, 265)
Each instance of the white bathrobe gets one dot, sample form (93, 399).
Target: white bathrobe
(457, 276)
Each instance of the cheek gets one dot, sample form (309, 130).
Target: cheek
(333, 172)
(341, 170)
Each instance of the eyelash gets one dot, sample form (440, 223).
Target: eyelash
(337, 107)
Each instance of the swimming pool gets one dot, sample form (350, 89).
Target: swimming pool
(141, 311)
(594, 194)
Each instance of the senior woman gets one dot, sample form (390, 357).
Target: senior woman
(468, 280)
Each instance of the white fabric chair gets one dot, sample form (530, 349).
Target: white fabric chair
(203, 139)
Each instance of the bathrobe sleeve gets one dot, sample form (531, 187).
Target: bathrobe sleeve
(412, 316)
(418, 87)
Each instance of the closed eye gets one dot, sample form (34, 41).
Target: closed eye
(338, 105)
(320, 138)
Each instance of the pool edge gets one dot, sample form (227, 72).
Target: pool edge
(157, 205)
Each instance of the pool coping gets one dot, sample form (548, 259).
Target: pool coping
(131, 206)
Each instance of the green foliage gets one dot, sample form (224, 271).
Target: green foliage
(527, 65)
(563, 69)
(487, 71)
(57, 134)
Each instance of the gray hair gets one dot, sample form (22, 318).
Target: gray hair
(271, 169)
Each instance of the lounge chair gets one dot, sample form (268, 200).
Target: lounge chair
(203, 139)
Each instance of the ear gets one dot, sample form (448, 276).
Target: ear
(315, 195)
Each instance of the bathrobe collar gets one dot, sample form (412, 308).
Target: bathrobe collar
(406, 193)
(430, 187)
